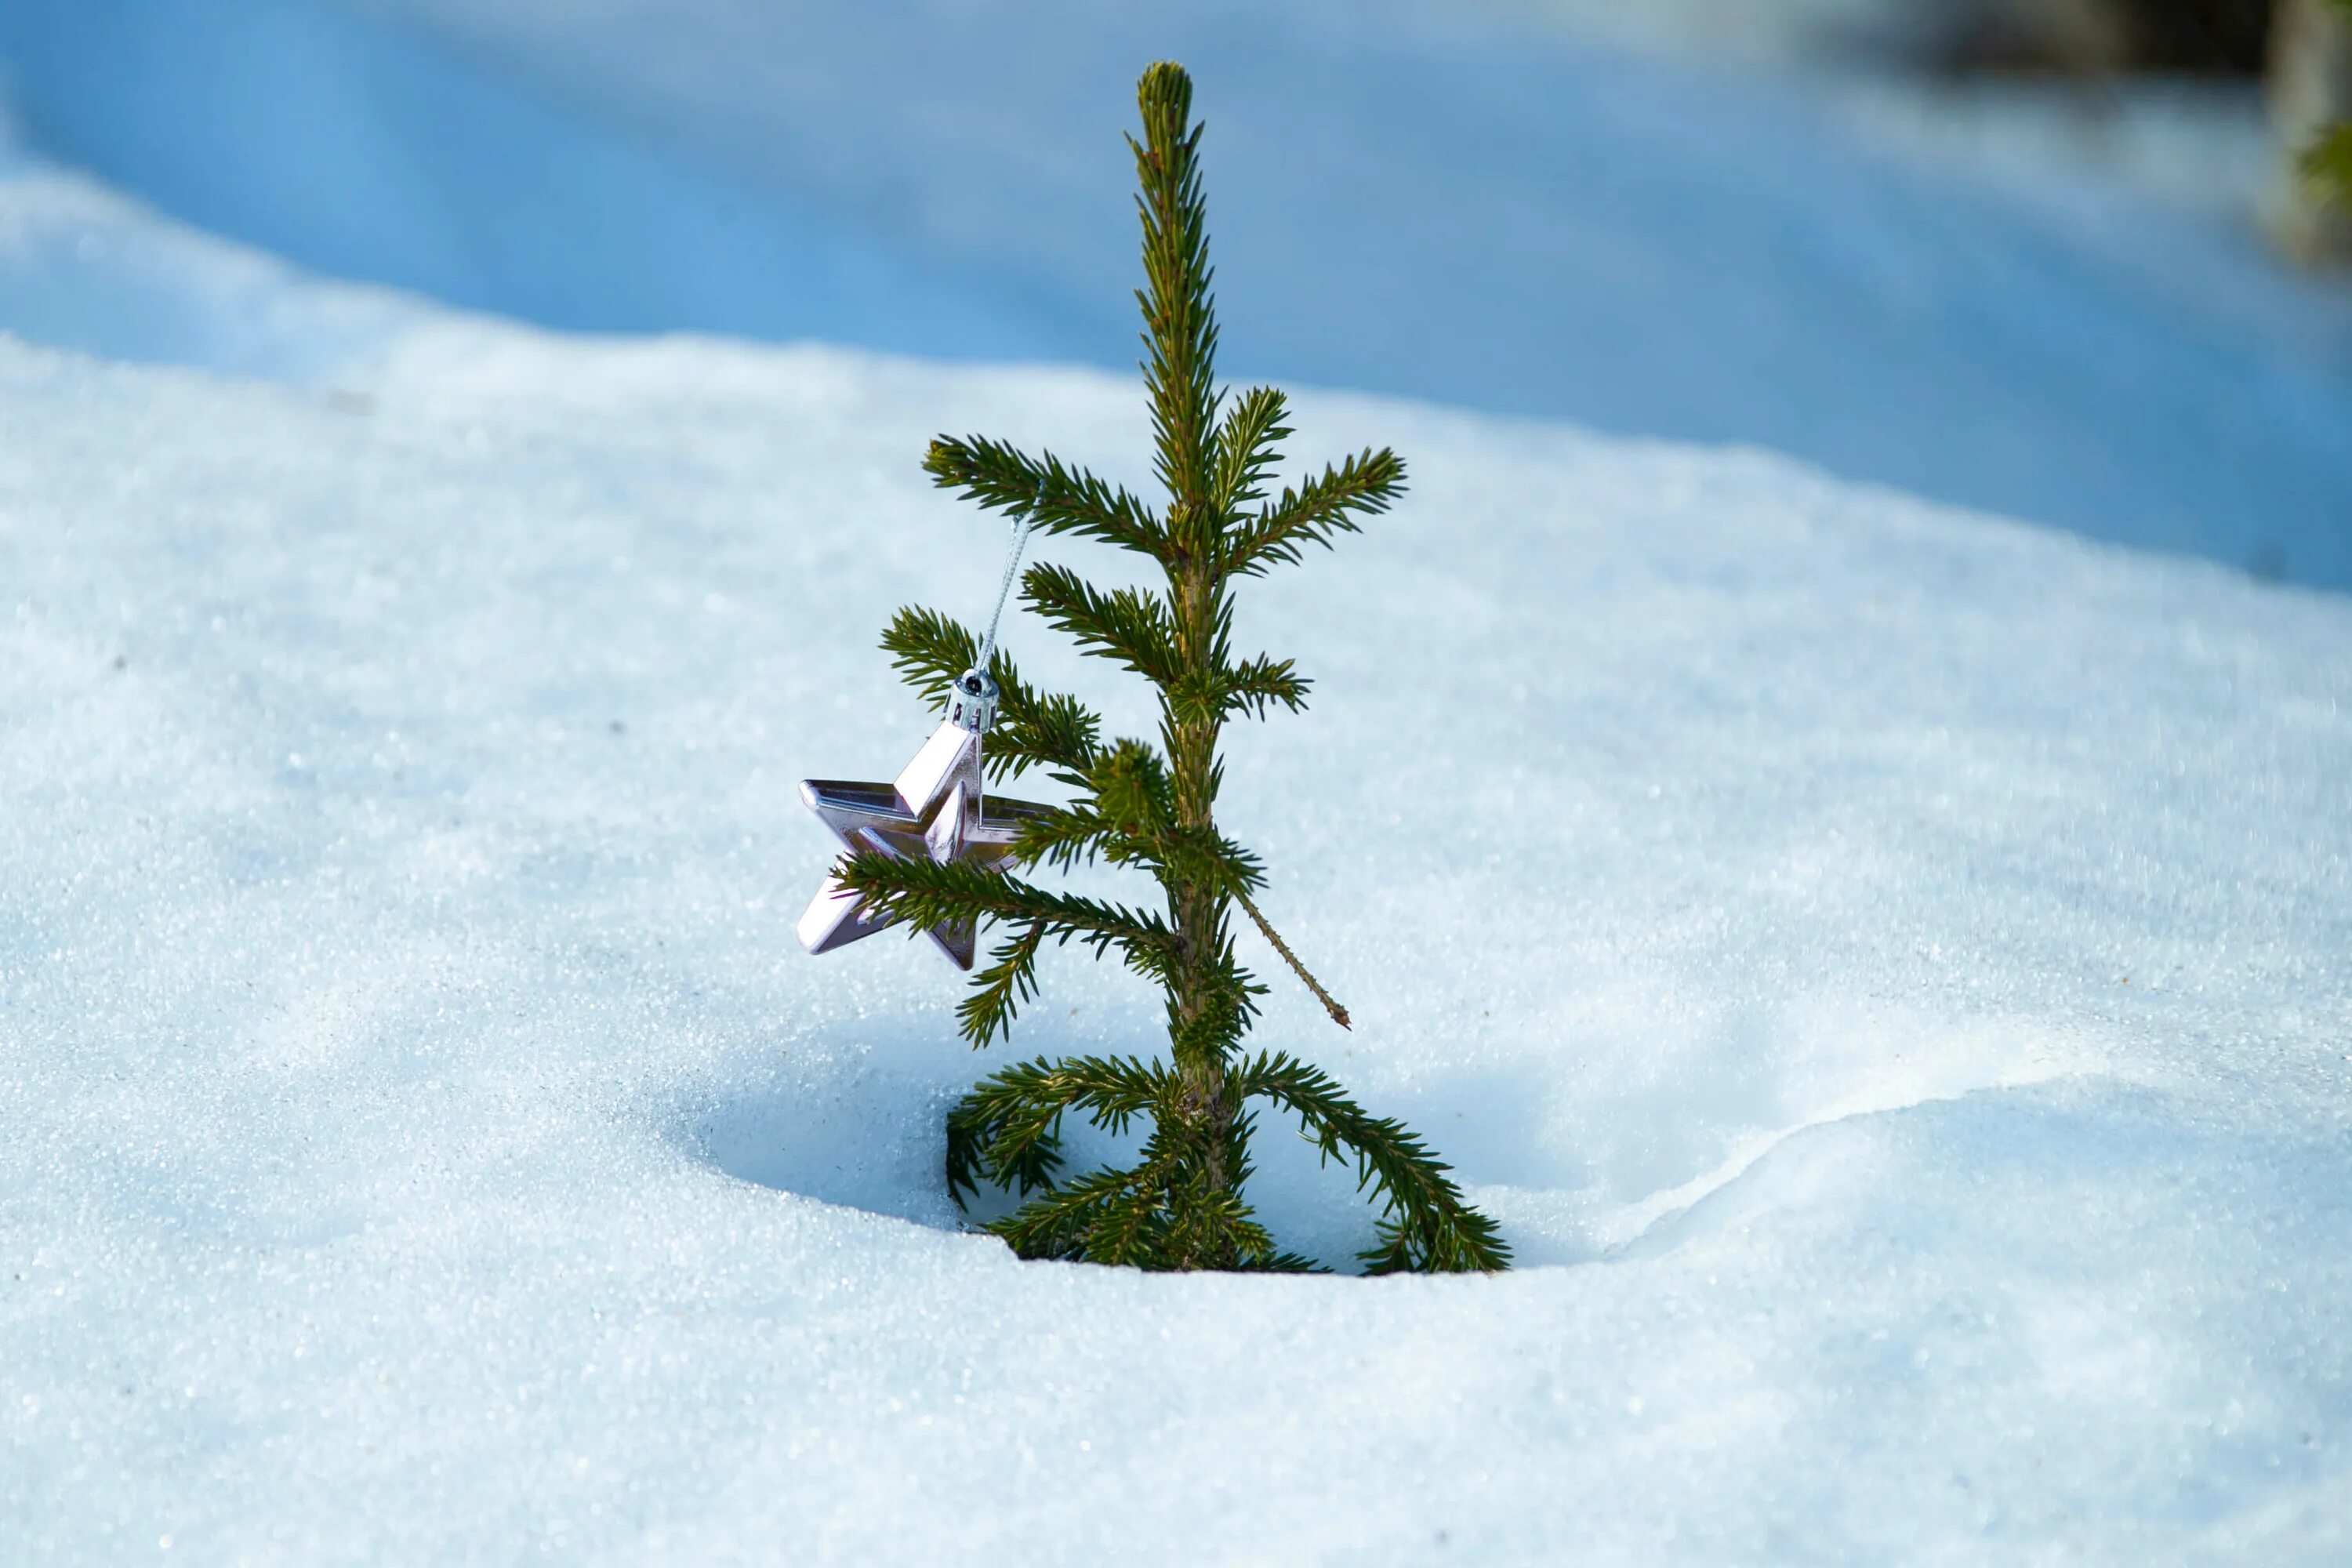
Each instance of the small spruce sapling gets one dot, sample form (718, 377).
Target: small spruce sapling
(1153, 807)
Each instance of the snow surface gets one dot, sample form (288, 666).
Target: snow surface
(1883, 966)
(1659, 250)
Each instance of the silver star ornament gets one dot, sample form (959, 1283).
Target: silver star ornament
(936, 808)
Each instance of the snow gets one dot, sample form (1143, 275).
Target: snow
(1663, 249)
(1883, 964)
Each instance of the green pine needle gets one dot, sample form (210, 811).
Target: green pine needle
(2327, 164)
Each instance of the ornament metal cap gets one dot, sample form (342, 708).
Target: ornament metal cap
(971, 702)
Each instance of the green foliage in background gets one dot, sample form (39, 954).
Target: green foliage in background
(1151, 806)
(2329, 162)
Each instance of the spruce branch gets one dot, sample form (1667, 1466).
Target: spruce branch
(1033, 728)
(1007, 1130)
(1056, 498)
(971, 1159)
(1128, 624)
(1133, 1229)
(1208, 1020)
(1031, 1097)
(1108, 1216)
(1003, 988)
(1249, 444)
(928, 893)
(1331, 1005)
(1363, 485)
(1427, 1226)
(1243, 869)
(1215, 1229)
(1132, 792)
(1179, 321)
(1256, 685)
(1200, 857)
(1069, 835)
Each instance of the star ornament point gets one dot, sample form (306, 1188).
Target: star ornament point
(936, 809)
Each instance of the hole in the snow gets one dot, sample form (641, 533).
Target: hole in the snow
(861, 1128)
(865, 1128)
(1575, 1167)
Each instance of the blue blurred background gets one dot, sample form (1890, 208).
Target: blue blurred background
(1984, 260)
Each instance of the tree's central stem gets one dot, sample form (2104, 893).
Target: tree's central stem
(1197, 908)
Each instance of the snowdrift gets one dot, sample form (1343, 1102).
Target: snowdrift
(1883, 966)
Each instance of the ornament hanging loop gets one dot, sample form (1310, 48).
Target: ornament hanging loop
(971, 696)
(971, 702)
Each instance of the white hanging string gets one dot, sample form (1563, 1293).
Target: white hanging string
(1022, 522)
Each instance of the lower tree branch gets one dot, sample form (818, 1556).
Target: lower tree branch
(1331, 1005)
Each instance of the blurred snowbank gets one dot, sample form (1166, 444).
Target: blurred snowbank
(2204, 148)
(1768, 32)
(1444, 207)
